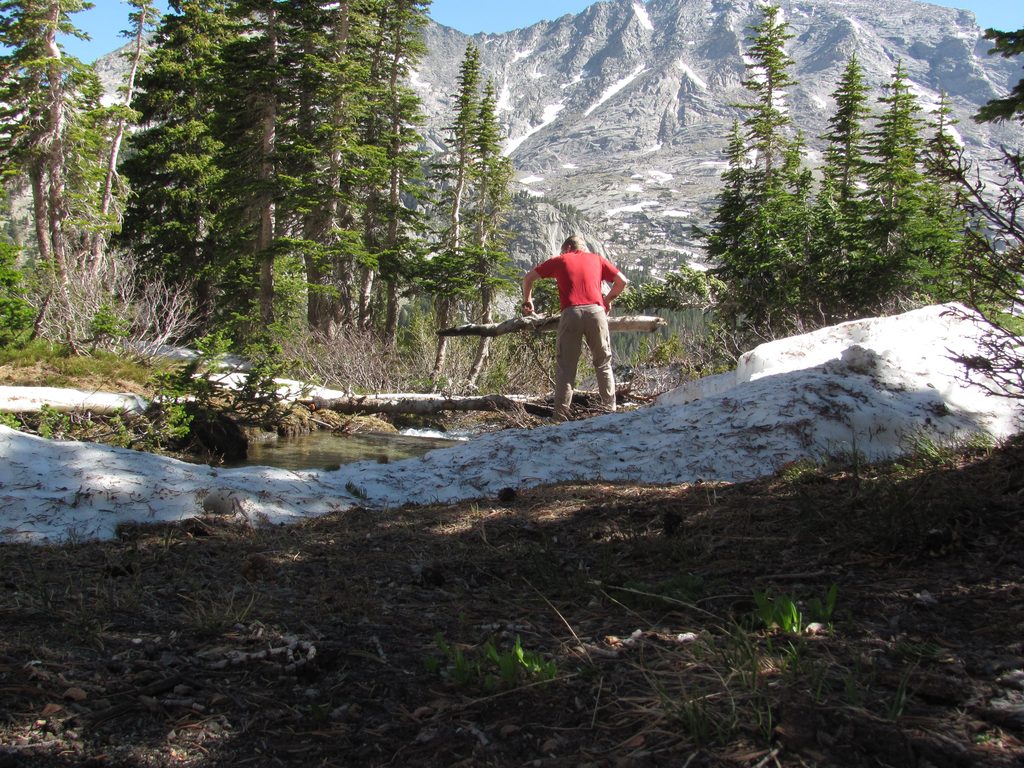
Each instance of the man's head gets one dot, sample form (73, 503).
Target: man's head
(574, 243)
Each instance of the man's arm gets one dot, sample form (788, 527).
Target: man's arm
(618, 286)
(528, 280)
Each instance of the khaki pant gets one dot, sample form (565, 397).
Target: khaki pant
(589, 322)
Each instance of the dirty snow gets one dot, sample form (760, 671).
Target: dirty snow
(868, 387)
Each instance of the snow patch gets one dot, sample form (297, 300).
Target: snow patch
(866, 386)
(642, 16)
(575, 81)
(660, 176)
(531, 180)
(614, 88)
(550, 113)
(634, 208)
(414, 78)
(692, 76)
(504, 99)
(520, 55)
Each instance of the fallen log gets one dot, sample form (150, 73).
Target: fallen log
(539, 323)
(419, 404)
(15, 399)
(423, 404)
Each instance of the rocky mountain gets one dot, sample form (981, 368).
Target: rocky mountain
(617, 117)
(622, 111)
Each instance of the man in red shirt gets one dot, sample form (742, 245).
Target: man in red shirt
(580, 276)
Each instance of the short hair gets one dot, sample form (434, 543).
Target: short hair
(574, 243)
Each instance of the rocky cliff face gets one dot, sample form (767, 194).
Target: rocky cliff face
(617, 117)
(622, 111)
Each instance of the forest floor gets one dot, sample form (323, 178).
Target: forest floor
(826, 616)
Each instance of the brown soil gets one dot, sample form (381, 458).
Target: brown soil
(362, 638)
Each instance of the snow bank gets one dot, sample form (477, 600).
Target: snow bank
(866, 386)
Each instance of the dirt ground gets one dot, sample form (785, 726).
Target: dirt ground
(828, 616)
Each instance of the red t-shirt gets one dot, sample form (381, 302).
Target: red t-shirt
(579, 275)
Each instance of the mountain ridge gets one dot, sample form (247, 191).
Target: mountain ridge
(622, 111)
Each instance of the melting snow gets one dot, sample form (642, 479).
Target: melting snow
(691, 75)
(642, 17)
(635, 208)
(871, 386)
(576, 80)
(504, 99)
(414, 78)
(531, 180)
(550, 113)
(611, 90)
(520, 55)
(660, 176)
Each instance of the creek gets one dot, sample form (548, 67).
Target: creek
(328, 450)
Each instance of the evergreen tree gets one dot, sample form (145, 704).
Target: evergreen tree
(1007, 45)
(143, 20)
(895, 257)
(761, 231)
(394, 178)
(944, 219)
(322, 154)
(446, 275)
(839, 214)
(15, 312)
(492, 173)
(50, 119)
(248, 123)
(172, 167)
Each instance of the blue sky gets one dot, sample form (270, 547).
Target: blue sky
(106, 20)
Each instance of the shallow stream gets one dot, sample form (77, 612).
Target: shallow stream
(328, 450)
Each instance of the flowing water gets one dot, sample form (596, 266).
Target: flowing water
(328, 450)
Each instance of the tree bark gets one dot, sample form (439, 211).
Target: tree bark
(421, 404)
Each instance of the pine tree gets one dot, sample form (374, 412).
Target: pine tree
(249, 115)
(171, 220)
(761, 231)
(492, 173)
(943, 218)
(322, 152)
(395, 176)
(49, 121)
(839, 214)
(143, 20)
(1007, 45)
(887, 274)
(445, 276)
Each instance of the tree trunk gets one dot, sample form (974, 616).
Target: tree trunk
(265, 232)
(483, 348)
(423, 404)
(99, 240)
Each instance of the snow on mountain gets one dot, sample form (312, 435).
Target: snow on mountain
(625, 88)
(666, 74)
